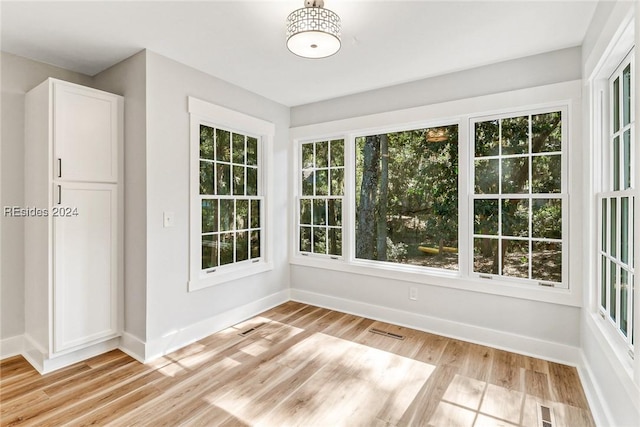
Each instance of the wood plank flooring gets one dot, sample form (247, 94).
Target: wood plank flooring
(301, 366)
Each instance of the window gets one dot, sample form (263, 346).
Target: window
(616, 204)
(321, 196)
(518, 199)
(406, 197)
(228, 207)
(470, 194)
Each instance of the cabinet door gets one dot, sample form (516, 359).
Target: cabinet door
(86, 132)
(85, 263)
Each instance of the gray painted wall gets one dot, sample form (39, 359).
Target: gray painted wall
(170, 306)
(505, 314)
(156, 180)
(19, 75)
(558, 66)
(129, 79)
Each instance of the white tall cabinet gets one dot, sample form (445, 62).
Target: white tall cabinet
(73, 232)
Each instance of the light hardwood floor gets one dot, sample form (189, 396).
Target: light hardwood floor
(305, 366)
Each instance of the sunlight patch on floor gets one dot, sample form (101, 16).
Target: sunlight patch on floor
(254, 349)
(465, 392)
(502, 403)
(171, 370)
(278, 332)
(349, 378)
(452, 416)
(486, 421)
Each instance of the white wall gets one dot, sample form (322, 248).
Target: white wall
(545, 329)
(610, 376)
(19, 75)
(170, 307)
(128, 78)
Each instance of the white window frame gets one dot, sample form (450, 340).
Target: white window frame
(208, 114)
(555, 96)
(351, 200)
(604, 191)
(563, 195)
(299, 196)
(621, 42)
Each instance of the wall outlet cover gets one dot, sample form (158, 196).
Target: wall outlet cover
(168, 219)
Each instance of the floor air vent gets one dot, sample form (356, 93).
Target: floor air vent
(251, 330)
(386, 334)
(545, 416)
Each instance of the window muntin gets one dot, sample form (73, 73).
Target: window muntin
(230, 204)
(616, 205)
(406, 197)
(321, 197)
(518, 197)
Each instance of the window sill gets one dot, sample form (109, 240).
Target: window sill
(220, 277)
(448, 279)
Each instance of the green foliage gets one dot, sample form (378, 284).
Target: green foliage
(547, 218)
(322, 175)
(422, 196)
(487, 138)
(517, 144)
(513, 157)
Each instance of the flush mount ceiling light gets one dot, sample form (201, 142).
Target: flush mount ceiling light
(313, 31)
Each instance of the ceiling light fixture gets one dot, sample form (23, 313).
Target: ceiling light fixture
(313, 31)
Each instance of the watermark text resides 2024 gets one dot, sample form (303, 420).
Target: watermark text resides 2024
(33, 212)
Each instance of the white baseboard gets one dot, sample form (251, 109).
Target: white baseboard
(595, 396)
(183, 337)
(12, 346)
(133, 346)
(613, 395)
(541, 349)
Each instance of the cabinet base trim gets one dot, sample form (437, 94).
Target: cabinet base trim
(44, 364)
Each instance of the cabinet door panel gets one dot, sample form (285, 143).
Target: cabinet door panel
(85, 134)
(85, 269)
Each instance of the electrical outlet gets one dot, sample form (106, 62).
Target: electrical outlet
(168, 219)
(413, 293)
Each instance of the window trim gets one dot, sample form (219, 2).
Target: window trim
(563, 195)
(558, 95)
(603, 119)
(298, 196)
(618, 47)
(350, 188)
(203, 112)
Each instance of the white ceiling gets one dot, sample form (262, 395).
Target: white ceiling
(242, 42)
